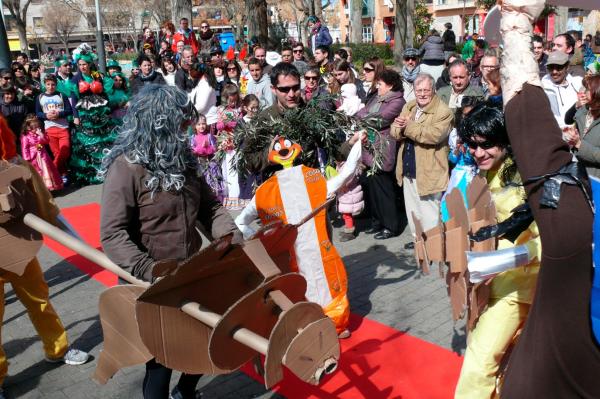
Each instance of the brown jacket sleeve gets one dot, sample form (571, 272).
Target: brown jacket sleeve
(214, 217)
(432, 133)
(119, 221)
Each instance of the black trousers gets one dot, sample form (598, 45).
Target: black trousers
(381, 197)
(157, 379)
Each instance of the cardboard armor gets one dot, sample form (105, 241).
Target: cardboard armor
(19, 243)
(448, 243)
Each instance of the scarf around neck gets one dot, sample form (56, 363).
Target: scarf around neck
(410, 76)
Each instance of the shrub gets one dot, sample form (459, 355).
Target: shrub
(363, 51)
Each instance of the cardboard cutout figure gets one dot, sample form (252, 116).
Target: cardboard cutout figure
(288, 196)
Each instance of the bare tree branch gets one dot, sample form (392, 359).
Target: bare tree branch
(60, 21)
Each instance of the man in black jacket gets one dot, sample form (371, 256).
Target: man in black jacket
(449, 39)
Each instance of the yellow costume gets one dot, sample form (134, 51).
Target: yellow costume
(510, 299)
(30, 287)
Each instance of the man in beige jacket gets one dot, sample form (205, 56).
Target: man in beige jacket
(422, 165)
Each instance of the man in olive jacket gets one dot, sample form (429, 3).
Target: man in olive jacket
(460, 86)
(422, 166)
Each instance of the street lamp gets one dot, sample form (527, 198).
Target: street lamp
(100, 41)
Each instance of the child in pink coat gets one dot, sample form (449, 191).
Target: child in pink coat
(33, 142)
(204, 146)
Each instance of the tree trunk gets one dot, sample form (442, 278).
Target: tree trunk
(400, 32)
(356, 20)
(65, 42)
(258, 27)
(181, 9)
(23, 38)
(410, 23)
(318, 8)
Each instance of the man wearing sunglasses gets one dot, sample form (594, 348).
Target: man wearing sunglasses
(285, 87)
(206, 38)
(299, 60)
(560, 86)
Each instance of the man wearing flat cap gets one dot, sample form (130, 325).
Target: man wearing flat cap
(410, 70)
(560, 86)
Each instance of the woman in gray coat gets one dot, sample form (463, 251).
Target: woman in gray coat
(587, 119)
(432, 55)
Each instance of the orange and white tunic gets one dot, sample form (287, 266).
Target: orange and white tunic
(289, 196)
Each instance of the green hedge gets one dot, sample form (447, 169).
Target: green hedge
(124, 56)
(363, 51)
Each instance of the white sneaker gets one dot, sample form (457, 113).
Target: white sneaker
(73, 357)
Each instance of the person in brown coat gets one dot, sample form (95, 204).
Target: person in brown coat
(152, 199)
(556, 355)
(422, 166)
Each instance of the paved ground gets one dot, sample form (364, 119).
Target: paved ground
(384, 286)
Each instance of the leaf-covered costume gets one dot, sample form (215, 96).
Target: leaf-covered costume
(117, 98)
(317, 129)
(93, 135)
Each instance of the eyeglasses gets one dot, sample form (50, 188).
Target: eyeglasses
(204, 26)
(253, 109)
(298, 51)
(367, 69)
(231, 69)
(410, 58)
(6, 77)
(311, 77)
(490, 67)
(287, 89)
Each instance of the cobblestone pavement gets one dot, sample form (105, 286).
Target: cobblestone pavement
(384, 285)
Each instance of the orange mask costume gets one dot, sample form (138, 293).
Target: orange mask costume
(290, 195)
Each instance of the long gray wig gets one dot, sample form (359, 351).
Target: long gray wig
(153, 136)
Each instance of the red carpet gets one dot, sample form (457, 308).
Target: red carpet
(377, 361)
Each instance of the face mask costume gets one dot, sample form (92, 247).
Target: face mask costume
(290, 196)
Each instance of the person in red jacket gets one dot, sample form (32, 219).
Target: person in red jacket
(186, 35)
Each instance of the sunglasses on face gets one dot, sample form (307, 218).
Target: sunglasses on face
(367, 69)
(204, 26)
(484, 145)
(311, 78)
(298, 51)
(288, 88)
(410, 58)
(232, 69)
(556, 67)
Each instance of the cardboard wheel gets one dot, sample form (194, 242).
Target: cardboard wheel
(256, 312)
(296, 318)
(123, 346)
(317, 344)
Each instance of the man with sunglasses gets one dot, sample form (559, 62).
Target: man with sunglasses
(206, 38)
(299, 61)
(410, 70)
(560, 86)
(286, 91)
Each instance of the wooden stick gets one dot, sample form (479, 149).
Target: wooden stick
(193, 309)
(83, 249)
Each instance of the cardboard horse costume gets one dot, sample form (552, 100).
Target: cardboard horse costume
(187, 321)
(287, 196)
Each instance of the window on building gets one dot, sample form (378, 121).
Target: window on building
(38, 22)
(367, 34)
(442, 2)
(10, 22)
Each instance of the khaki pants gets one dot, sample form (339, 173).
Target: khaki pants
(425, 207)
(487, 344)
(32, 291)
